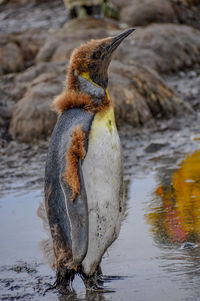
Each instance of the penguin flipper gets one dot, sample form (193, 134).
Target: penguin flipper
(77, 211)
(68, 217)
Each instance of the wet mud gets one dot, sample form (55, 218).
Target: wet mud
(53, 15)
(157, 253)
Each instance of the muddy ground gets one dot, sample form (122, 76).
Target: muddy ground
(11, 15)
(151, 156)
(147, 264)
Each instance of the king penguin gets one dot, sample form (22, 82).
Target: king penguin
(84, 166)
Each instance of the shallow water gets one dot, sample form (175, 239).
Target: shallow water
(162, 212)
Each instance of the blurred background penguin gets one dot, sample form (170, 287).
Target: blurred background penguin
(98, 8)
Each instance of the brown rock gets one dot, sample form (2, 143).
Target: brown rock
(32, 118)
(89, 23)
(163, 47)
(18, 51)
(57, 48)
(141, 96)
(120, 3)
(11, 59)
(187, 12)
(60, 44)
(9, 94)
(143, 12)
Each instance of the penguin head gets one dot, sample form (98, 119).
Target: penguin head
(92, 59)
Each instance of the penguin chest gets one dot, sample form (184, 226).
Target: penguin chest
(103, 177)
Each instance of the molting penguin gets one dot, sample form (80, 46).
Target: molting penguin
(84, 172)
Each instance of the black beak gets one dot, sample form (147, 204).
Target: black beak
(118, 39)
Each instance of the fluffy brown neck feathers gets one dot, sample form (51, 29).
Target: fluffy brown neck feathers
(90, 62)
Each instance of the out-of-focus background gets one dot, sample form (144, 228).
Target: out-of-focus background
(154, 80)
(36, 42)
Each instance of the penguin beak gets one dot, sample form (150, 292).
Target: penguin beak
(116, 41)
(98, 72)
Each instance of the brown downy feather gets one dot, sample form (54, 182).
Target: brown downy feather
(80, 60)
(75, 153)
(72, 99)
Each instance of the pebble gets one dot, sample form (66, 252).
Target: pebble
(188, 245)
(192, 74)
(182, 74)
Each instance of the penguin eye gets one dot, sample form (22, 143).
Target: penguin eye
(96, 54)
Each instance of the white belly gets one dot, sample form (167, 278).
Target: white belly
(103, 176)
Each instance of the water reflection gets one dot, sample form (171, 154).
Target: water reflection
(175, 212)
(89, 296)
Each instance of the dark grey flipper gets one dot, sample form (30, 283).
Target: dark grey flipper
(78, 216)
(68, 220)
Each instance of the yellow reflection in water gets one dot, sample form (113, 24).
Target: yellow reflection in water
(176, 218)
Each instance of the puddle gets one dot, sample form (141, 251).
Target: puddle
(150, 257)
(22, 272)
(175, 210)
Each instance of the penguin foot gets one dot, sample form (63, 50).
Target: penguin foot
(64, 279)
(94, 287)
(63, 283)
(51, 287)
(94, 282)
